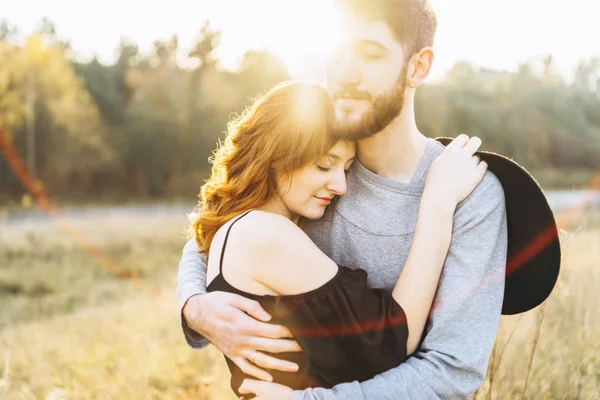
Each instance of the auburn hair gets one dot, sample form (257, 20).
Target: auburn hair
(282, 131)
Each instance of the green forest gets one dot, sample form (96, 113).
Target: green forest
(145, 126)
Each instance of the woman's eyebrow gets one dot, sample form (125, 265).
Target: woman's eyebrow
(336, 157)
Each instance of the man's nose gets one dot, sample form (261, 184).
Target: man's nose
(348, 74)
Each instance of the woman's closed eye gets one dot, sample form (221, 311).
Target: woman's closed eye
(324, 169)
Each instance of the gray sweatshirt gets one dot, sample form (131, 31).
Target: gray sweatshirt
(372, 227)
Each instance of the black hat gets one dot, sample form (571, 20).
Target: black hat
(533, 259)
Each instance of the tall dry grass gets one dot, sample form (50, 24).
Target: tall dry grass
(553, 352)
(89, 311)
(73, 327)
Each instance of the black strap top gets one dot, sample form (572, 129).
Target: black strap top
(347, 331)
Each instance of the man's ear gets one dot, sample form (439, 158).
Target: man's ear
(419, 67)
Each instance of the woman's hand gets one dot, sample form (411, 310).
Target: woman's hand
(266, 390)
(456, 172)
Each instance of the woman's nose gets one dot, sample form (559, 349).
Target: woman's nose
(338, 184)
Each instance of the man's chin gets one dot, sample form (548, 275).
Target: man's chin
(354, 113)
(350, 119)
(349, 132)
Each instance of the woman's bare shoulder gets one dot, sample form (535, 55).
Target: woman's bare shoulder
(259, 230)
(260, 227)
(276, 251)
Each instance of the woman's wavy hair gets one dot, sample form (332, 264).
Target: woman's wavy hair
(282, 131)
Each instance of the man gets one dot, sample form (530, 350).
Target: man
(384, 56)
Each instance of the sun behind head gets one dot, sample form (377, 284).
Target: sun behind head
(282, 131)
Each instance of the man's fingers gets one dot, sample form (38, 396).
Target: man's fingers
(251, 307)
(473, 145)
(269, 362)
(248, 368)
(249, 326)
(274, 345)
(265, 330)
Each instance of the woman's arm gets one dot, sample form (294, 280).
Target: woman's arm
(451, 178)
(420, 276)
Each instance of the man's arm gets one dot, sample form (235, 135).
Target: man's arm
(235, 325)
(452, 360)
(191, 280)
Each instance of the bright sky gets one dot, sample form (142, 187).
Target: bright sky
(492, 33)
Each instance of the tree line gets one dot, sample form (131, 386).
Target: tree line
(145, 126)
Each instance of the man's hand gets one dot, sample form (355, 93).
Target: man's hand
(266, 390)
(233, 324)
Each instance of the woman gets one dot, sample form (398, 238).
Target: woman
(279, 164)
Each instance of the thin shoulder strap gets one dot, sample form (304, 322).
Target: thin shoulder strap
(225, 241)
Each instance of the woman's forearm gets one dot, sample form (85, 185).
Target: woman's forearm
(419, 279)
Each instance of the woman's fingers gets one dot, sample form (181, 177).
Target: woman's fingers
(267, 390)
(459, 142)
(473, 145)
(482, 168)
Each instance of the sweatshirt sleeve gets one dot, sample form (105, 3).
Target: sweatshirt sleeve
(191, 280)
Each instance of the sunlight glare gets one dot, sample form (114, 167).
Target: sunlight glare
(304, 33)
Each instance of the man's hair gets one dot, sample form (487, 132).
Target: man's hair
(413, 22)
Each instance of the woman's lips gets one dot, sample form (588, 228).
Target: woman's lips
(324, 200)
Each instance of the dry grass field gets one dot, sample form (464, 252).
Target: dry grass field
(89, 311)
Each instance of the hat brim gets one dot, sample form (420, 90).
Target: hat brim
(534, 255)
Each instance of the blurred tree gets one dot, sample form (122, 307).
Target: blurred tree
(37, 83)
(196, 114)
(530, 115)
(587, 76)
(146, 125)
(6, 30)
(149, 147)
(206, 42)
(13, 106)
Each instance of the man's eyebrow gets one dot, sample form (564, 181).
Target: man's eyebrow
(366, 42)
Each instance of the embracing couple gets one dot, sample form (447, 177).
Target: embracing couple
(340, 253)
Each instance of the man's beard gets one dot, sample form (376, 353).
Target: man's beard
(385, 108)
